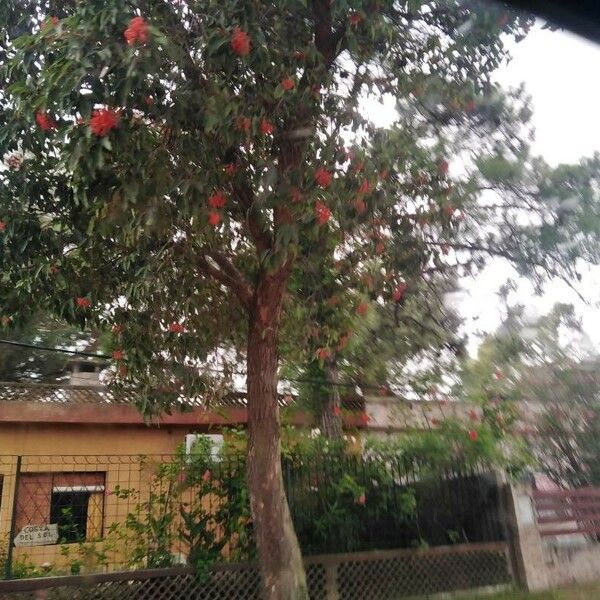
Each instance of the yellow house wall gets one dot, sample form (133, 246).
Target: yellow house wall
(81, 448)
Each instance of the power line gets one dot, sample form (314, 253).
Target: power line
(48, 349)
(211, 369)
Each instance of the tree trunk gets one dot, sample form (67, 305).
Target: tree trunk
(279, 554)
(331, 422)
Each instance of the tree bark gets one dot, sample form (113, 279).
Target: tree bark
(331, 423)
(281, 564)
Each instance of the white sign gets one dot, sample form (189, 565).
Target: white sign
(37, 535)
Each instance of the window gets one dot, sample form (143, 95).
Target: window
(72, 501)
(73, 508)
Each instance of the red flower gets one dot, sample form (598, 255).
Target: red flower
(206, 477)
(473, 415)
(442, 166)
(2, 226)
(118, 328)
(322, 212)
(362, 309)
(118, 355)
(337, 411)
(54, 20)
(380, 248)
(266, 127)
(176, 328)
(360, 206)
(240, 42)
(214, 218)
(355, 18)
(323, 353)
(217, 200)
(296, 195)
(473, 435)
(323, 177)
(229, 169)
(362, 500)
(287, 84)
(364, 418)
(137, 31)
(498, 374)
(243, 123)
(83, 302)
(149, 100)
(44, 121)
(343, 342)
(364, 187)
(470, 106)
(53, 269)
(103, 121)
(399, 292)
(6, 320)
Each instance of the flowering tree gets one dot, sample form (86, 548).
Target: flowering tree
(173, 166)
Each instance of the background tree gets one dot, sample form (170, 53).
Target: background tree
(25, 364)
(541, 369)
(187, 159)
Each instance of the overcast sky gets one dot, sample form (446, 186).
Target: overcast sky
(560, 71)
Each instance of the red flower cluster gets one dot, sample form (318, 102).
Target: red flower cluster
(217, 200)
(176, 328)
(364, 187)
(83, 302)
(103, 121)
(498, 374)
(229, 169)
(2, 226)
(355, 18)
(53, 269)
(44, 121)
(287, 84)
(118, 355)
(323, 177)
(364, 418)
(473, 435)
(322, 212)
(137, 31)
(362, 309)
(399, 292)
(361, 500)
(243, 123)
(240, 42)
(214, 218)
(207, 476)
(266, 127)
(337, 411)
(323, 353)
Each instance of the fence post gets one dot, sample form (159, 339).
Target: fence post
(331, 587)
(13, 523)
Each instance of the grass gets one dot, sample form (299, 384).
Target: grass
(587, 592)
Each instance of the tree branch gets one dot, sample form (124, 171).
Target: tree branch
(228, 275)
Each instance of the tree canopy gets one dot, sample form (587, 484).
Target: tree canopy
(172, 167)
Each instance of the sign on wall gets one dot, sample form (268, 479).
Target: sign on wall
(37, 535)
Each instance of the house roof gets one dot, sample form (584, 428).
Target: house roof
(62, 403)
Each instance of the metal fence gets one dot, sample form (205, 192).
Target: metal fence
(383, 575)
(69, 515)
